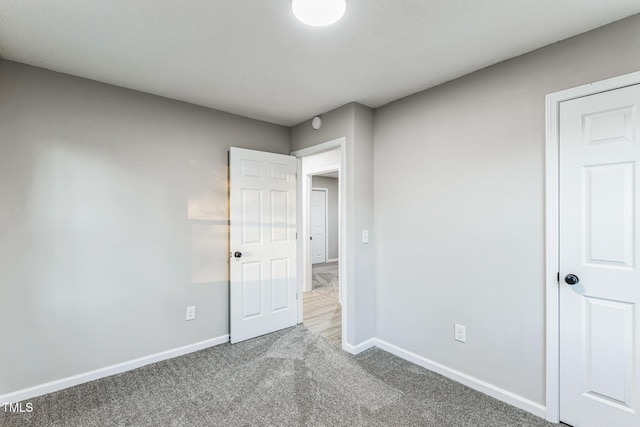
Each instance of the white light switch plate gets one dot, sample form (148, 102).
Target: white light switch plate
(191, 312)
(365, 236)
(460, 333)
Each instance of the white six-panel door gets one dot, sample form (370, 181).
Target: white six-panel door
(599, 224)
(262, 209)
(318, 226)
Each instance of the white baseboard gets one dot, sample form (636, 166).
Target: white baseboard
(475, 383)
(356, 349)
(63, 383)
(333, 260)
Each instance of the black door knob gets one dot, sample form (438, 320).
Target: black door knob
(237, 254)
(571, 279)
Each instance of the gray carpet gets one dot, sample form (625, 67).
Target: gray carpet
(288, 378)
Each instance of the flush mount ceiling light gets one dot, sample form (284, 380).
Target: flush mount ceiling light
(319, 13)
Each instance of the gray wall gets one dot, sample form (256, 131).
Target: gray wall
(459, 209)
(331, 184)
(113, 219)
(355, 123)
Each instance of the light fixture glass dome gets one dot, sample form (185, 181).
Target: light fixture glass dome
(319, 12)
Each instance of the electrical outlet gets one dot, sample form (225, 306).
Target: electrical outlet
(460, 333)
(191, 312)
(365, 236)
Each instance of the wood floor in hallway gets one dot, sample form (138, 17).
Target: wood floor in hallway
(322, 311)
(323, 315)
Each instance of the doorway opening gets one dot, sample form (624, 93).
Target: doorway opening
(323, 306)
(322, 311)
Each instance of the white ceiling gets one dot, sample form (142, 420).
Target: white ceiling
(251, 57)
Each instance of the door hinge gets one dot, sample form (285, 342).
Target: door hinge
(558, 277)
(296, 296)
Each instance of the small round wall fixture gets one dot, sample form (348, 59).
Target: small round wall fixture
(316, 122)
(319, 13)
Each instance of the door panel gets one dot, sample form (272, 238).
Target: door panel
(251, 282)
(251, 214)
(280, 273)
(279, 216)
(609, 202)
(318, 226)
(608, 355)
(599, 219)
(262, 208)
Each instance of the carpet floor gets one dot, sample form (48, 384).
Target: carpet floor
(289, 378)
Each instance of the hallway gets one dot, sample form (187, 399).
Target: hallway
(322, 310)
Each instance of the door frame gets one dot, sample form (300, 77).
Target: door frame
(552, 229)
(326, 218)
(304, 184)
